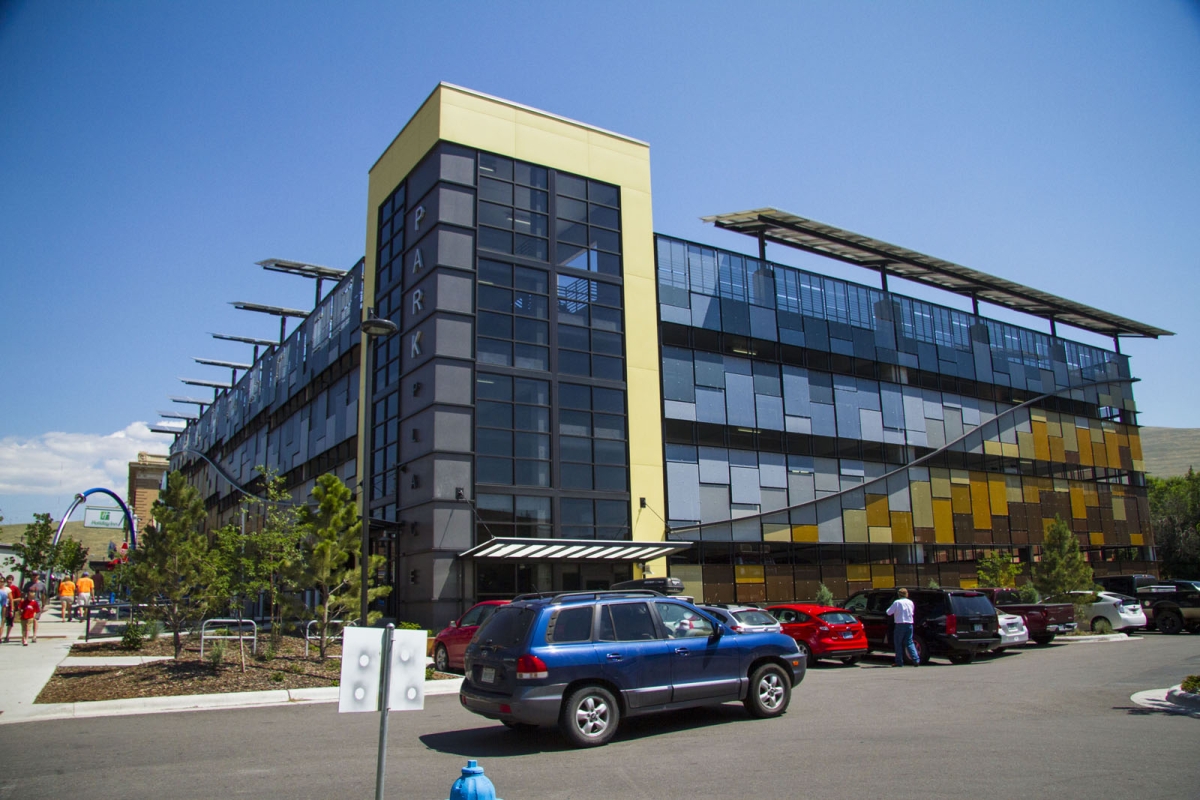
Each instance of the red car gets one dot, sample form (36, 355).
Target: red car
(823, 631)
(450, 645)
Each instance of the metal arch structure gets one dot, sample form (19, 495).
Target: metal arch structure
(81, 498)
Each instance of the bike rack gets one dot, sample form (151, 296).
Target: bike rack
(309, 637)
(224, 623)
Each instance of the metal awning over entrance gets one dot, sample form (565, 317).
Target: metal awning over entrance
(571, 550)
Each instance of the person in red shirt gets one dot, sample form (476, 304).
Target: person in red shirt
(30, 608)
(13, 605)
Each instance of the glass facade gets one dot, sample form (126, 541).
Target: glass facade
(792, 403)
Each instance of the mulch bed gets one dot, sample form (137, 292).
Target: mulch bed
(287, 669)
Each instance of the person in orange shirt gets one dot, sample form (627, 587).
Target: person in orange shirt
(85, 587)
(66, 594)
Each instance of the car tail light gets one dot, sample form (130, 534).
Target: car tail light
(736, 628)
(951, 625)
(531, 668)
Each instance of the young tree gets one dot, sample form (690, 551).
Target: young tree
(273, 549)
(36, 552)
(1175, 518)
(1063, 568)
(71, 557)
(998, 569)
(172, 567)
(331, 548)
(824, 596)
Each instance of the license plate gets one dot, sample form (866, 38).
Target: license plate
(847, 634)
(488, 675)
(977, 627)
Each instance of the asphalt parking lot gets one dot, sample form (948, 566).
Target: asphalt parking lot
(1045, 722)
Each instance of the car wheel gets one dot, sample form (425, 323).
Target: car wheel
(770, 692)
(1101, 625)
(806, 654)
(962, 658)
(850, 662)
(441, 659)
(589, 717)
(1043, 639)
(1169, 622)
(922, 650)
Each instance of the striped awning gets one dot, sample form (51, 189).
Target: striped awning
(565, 550)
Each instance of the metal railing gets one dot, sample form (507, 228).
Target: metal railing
(309, 637)
(224, 624)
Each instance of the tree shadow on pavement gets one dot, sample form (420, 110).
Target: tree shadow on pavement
(496, 741)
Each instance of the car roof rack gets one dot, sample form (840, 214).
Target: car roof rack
(595, 594)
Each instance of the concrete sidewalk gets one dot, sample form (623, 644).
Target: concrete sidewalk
(24, 671)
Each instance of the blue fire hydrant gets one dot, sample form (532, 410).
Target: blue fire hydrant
(473, 785)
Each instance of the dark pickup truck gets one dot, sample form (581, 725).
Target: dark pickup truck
(1044, 620)
(1171, 606)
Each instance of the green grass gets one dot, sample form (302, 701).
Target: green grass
(1170, 451)
(94, 539)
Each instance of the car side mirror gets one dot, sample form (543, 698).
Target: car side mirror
(453, 624)
(718, 630)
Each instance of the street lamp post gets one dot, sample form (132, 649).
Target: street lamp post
(371, 328)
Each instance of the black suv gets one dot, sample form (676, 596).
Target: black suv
(956, 623)
(584, 660)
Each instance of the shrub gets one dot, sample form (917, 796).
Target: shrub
(408, 626)
(152, 630)
(429, 671)
(132, 638)
(933, 584)
(1028, 593)
(216, 655)
(1101, 626)
(277, 677)
(1191, 684)
(824, 596)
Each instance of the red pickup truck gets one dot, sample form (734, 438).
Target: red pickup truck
(1044, 620)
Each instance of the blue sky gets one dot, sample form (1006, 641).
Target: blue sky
(150, 153)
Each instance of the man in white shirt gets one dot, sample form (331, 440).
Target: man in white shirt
(901, 611)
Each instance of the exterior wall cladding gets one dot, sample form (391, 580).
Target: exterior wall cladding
(295, 411)
(793, 401)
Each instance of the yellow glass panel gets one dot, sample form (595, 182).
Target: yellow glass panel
(1085, 447)
(858, 572)
(877, 509)
(1010, 450)
(1096, 539)
(879, 534)
(1091, 498)
(922, 503)
(968, 583)
(1078, 507)
(1070, 441)
(1118, 506)
(1030, 491)
(943, 521)
(1097, 434)
(939, 479)
(1058, 452)
(1113, 448)
(804, 533)
(1139, 465)
(960, 476)
(1012, 488)
(1046, 523)
(1025, 445)
(902, 526)
(980, 508)
(1054, 425)
(854, 524)
(961, 498)
(992, 448)
(748, 573)
(1135, 539)
(776, 532)
(1135, 446)
(998, 495)
(883, 576)
(1099, 454)
(1041, 442)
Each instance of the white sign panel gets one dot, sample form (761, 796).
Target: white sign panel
(362, 651)
(102, 517)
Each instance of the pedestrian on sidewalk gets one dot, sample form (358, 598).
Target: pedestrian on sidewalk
(5, 607)
(85, 588)
(14, 596)
(66, 594)
(37, 589)
(30, 608)
(901, 611)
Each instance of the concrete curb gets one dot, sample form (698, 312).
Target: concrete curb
(198, 702)
(1172, 700)
(1108, 637)
(110, 661)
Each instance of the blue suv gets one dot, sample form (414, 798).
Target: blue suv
(585, 660)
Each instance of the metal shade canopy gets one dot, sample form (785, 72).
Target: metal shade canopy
(301, 268)
(780, 227)
(568, 550)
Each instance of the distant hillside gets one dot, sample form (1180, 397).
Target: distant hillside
(1170, 451)
(94, 539)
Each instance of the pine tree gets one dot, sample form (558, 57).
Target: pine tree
(1062, 568)
(36, 552)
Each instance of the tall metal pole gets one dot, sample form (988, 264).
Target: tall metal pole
(367, 436)
(385, 680)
